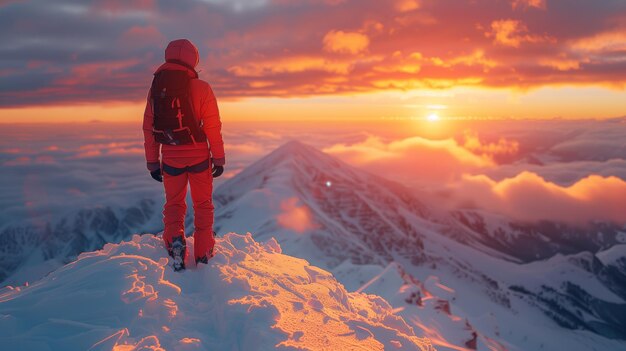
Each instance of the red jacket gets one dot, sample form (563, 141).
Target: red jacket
(205, 108)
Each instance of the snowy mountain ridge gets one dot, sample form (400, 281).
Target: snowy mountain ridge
(467, 280)
(249, 297)
(360, 224)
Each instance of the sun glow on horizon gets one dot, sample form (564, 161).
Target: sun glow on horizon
(457, 103)
(433, 117)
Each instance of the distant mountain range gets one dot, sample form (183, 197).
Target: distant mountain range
(27, 251)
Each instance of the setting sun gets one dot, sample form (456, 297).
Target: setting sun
(433, 117)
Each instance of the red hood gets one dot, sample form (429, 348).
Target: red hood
(184, 51)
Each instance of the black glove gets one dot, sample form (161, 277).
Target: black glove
(157, 175)
(217, 171)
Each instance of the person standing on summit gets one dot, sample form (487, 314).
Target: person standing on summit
(183, 145)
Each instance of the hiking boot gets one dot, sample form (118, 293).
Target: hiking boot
(177, 250)
(205, 259)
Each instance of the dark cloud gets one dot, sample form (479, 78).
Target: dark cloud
(59, 52)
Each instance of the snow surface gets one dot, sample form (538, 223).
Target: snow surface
(621, 237)
(613, 255)
(249, 297)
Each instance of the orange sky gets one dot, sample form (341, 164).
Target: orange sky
(320, 59)
(452, 104)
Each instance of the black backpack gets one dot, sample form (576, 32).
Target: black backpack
(174, 120)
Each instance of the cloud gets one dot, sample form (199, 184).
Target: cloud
(345, 42)
(119, 6)
(88, 154)
(59, 165)
(475, 58)
(103, 51)
(529, 197)
(248, 148)
(126, 151)
(142, 36)
(562, 62)
(239, 5)
(8, 2)
(561, 173)
(559, 151)
(13, 150)
(27, 160)
(267, 134)
(502, 147)
(415, 157)
(607, 46)
(82, 165)
(599, 141)
(513, 33)
(18, 161)
(295, 64)
(482, 167)
(96, 150)
(565, 171)
(540, 4)
(96, 74)
(425, 159)
(406, 5)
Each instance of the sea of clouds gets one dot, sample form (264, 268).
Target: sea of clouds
(571, 171)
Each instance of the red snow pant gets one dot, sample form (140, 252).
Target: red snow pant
(175, 207)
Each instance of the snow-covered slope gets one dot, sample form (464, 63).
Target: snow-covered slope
(454, 282)
(249, 297)
(348, 213)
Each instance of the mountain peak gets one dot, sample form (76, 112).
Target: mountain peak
(339, 207)
(250, 296)
(297, 149)
(293, 165)
(295, 145)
